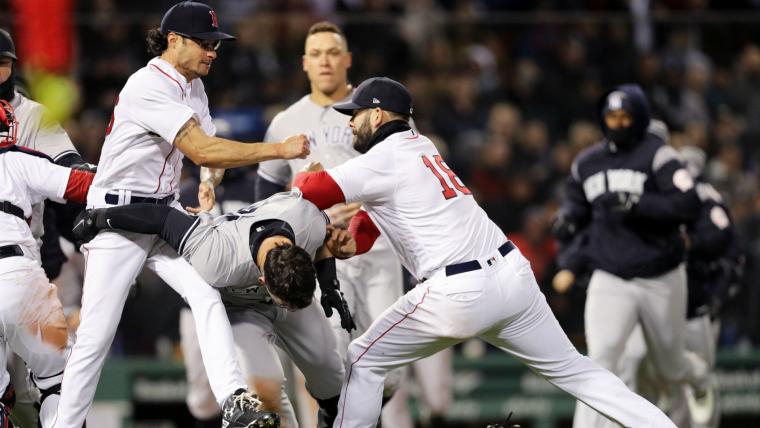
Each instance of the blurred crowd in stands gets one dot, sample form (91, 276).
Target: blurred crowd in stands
(508, 89)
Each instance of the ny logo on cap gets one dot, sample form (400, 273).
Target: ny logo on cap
(615, 100)
(375, 101)
(214, 20)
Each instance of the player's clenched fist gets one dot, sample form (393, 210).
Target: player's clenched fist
(296, 146)
(340, 242)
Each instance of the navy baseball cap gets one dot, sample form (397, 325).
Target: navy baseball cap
(381, 92)
(193, 19)
(7, 48)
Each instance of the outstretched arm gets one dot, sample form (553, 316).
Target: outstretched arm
(216, 152)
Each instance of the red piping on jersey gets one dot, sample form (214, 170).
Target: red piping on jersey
(158, 186)
(167, 75)
(319, 188)
(364, 230)
(351, 368)
(78, 185)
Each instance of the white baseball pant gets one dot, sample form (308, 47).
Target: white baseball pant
(33, 326)
(112, 262)
(500, 303)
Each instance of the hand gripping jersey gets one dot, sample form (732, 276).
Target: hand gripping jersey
(220, 248)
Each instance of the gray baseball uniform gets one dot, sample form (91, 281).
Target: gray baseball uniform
(219, 249)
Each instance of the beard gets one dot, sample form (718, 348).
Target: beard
(363, 136)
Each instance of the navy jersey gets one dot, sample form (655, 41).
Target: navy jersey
(713, 256)
(644, 241)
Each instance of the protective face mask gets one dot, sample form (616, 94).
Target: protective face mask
(621, 136)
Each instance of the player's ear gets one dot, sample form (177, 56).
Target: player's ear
(349, 60)
(377, 117)
(303, 62)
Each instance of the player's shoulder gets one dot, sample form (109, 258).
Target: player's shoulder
(152, 77)
(292, 112)
(592, 152)
(27, 109)
(589, 158)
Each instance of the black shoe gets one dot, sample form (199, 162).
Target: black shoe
(506, 423)
(243, 410)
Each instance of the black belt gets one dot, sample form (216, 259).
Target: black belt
(11, 251)
(113, 199)
(11, 209)
(463, 267)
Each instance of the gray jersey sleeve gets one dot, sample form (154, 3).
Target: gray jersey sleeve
(39, 131)
(278, 170)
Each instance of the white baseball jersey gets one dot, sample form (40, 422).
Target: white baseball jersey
(39, 132)
(328, 133)
(26, 180)
(413, 196)
(139, 154)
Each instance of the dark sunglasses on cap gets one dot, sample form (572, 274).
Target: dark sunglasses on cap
(207, 45)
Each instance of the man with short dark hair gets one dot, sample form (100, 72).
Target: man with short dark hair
(265, 259)
(161, 115)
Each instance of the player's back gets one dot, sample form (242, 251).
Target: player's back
(26, 179)
(224, 243)
(419, 204)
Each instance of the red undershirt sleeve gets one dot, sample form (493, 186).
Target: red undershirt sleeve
(319, 188)
(364, 231)
(78, 185)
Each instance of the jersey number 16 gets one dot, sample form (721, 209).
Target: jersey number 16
(438, 167)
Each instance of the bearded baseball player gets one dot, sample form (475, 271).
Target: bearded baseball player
(261, 259)
(371, 282)
(39, 132)
(474, 281)
(161, 115)
(32, 323)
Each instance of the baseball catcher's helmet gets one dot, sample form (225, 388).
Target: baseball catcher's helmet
(8, 125)
(7, 47)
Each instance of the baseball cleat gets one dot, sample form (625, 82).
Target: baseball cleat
(702, 403)
(243, 410)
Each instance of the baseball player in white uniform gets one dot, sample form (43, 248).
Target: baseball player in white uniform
(371, 282)
(161, 115)
(32, 323)
(268, 294)
(475, 283)
(39, 132)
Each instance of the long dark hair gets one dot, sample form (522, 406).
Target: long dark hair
(157, 42)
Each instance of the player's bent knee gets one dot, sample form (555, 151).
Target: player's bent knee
(269, 392)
